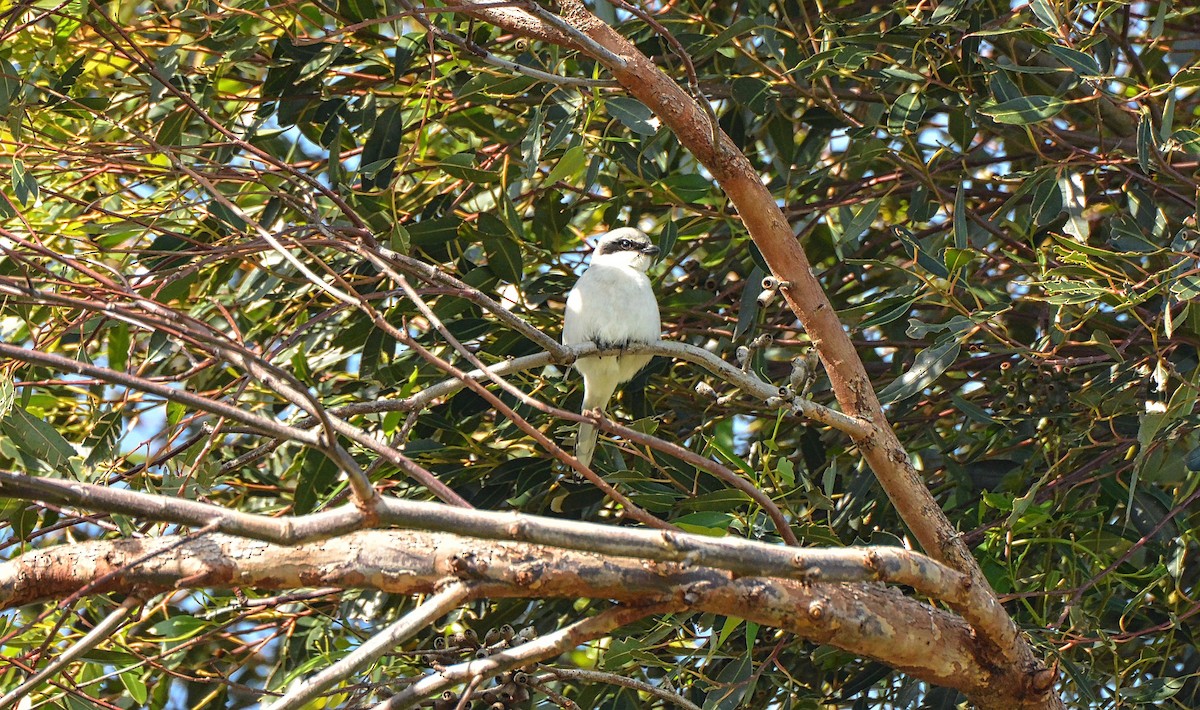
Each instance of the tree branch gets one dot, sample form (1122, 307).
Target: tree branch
(548, 646)
(99, 633)
(865, 619)
(892, 565)
(370, 651)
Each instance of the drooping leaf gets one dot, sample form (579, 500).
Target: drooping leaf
(632, 113)
(929, 364)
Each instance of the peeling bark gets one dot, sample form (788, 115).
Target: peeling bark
(865, 619)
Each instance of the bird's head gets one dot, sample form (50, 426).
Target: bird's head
(625, 247)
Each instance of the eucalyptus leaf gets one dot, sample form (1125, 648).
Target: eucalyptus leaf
(1025, 110)
(929, 364)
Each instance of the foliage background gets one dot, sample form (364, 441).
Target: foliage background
(999, 199)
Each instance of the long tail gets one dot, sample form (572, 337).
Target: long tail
(585, 443)
(595, 397)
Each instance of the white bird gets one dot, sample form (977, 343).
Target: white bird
(612, 305)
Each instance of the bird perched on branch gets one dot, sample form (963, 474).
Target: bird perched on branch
(612, 305)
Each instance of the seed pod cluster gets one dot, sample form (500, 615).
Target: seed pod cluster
(508, 691)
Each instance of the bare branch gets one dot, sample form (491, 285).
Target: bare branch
(741, 557)
(865, 619)
(382, 642)
(547, 646)
(590, 676)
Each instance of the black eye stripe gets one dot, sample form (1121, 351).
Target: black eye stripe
(622, 245)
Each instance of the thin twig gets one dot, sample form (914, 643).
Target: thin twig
(590, 676)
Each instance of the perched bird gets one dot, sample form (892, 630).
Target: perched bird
(612, 305)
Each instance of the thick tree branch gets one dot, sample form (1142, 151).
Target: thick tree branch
(865, 619)
(742, 557)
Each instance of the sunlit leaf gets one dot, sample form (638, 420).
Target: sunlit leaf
(1025, 110)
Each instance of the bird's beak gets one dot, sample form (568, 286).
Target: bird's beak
(650, 250)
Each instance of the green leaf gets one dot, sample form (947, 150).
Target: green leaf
(171, 130)
(632, 113)
(504, 258)
(930, 363)
(462, 166)
(318, 476)
(1193, 459)
(689, 188)
(68, 20)
(971, 410)
(860, 222)
(381, 149)
(955, 326)
(921, 208)
(10, 86)
(890, 313)
(38, 439)
(752, 93)
(960, 219)
(63, 85)
(906, 113)
(103, 438)
(741, 26)
(531, 144)
(958, 258)
(1080, 63)
(1188, 140)
(25, 186)
(1047, 202)
(1145, 144)
(135, 685)
(946, 11)
(570, 165)
(179, 628)
(1025, 110)
(1044, 12)
(8, 394)
(399, 238)
(731, 686)
(748, 307)
(921, 253)
(1070, 292)
(432, 232)
(666, 239)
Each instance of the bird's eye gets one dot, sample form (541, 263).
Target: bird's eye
(625, 244)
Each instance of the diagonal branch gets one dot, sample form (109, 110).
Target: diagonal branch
(548, 646)
(99, 633)
(383, 642)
